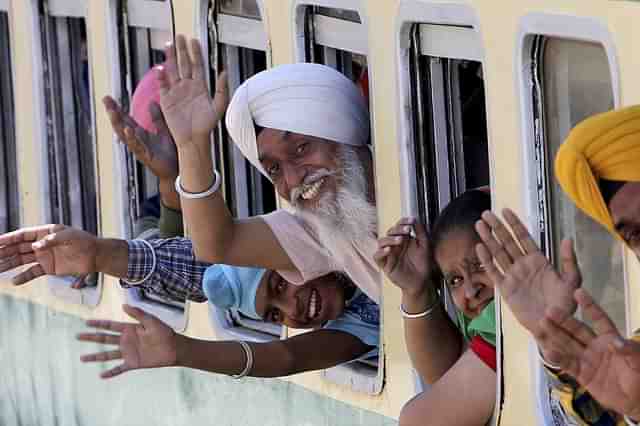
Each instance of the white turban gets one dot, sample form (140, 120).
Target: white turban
(308, 99)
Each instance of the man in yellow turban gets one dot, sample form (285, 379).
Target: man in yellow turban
(598, 167)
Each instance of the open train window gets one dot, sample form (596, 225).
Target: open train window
(71, 148)
(238, 44)
(445, 129)
(572, 81)
(336, 37)
(568, 76)
(145, 26)
(9, 195)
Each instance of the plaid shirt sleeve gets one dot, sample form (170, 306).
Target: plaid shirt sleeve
(166, 267)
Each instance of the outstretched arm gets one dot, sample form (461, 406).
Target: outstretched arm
(61, 250)
(433, 341)
(152, 344)
(191, 116)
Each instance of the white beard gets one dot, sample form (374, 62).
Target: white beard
(348, 215)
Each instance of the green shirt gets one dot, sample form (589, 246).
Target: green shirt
(483, 325)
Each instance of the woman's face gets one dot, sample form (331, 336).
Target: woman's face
(463, 273)
(625, 211)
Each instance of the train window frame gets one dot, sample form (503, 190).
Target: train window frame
(455, 31)
(54, 20)
(339, 38)
(10, 206)
(236, 40)
(564, 27)
(147, 25)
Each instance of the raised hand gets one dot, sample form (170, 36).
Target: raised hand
(529, 284)
(155, 151)
(184, 97)
(600, 359)
(55, 250)
(146, 344)
(405, 258)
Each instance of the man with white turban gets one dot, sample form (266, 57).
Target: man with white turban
(305, 127)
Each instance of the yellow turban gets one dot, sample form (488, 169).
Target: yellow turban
(605, 146)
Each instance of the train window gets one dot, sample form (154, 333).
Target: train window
(71, 148)
(9, 195)
(238, 44)
(337, 38)
(146, 26)
(446, 128)
(572, 81)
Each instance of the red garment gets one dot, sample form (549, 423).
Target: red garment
(485, 351)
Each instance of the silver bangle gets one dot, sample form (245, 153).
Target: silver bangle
(423, 314)
(198, 195)
(249, 365)
(630, 422)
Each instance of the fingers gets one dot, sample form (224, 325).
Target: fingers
(107, 325)
(490, 268)
(115, 371)
(52, 240)
(158, 118)
(30, 274)
(392, 241)
(16, 261)
(102, 338)
(520, 231)
(170, 72)
(102, 356)
(493, 246)
(221, 98)
(503, 234)
(198, 67)
(138, 314)
(570, 270)
(602, 324)
(571, 326)
(28, 234)
(184, 59)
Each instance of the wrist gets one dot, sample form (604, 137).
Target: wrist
(112, 257)
(416, 300)
(168, 195)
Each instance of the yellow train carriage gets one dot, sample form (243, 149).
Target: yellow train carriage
(461, 93)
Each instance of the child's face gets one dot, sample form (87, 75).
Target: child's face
(300, 306)
(463, 273)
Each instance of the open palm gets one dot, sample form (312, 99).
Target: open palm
(184, 97)
(405, 258)
(607, 365)
(55, 250)
(147, 344)
(529, 284)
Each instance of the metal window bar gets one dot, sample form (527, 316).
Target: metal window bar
(9, 195)
(246, 191)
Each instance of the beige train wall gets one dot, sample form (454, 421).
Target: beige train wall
(33, 305)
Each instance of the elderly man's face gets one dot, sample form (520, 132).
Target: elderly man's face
(625, 211)
(303, 168)
(300, 306)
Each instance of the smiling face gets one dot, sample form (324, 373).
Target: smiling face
(302, 168)
(625, 211)
(300, 306)
(464, 275)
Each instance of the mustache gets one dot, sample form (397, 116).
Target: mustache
(296, 193)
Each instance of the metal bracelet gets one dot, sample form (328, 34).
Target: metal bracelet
(198, 195)
(249, 365)
(427, 312)
(547, 363)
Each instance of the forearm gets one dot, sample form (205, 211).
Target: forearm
(168, 195)
(229, 358)
(112, 257)
(210, 213)
(433, 341)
